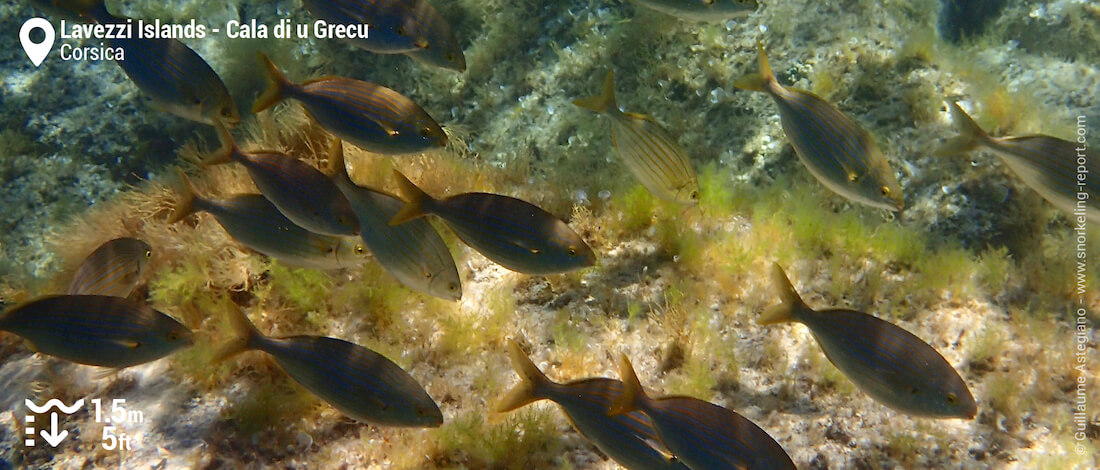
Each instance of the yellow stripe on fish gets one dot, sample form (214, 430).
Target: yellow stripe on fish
(372, 117)
(1064, 173)
(833, 146)
(651, 154)
(115, 268)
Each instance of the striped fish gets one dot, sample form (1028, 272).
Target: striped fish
(256, 223)
(1064, 173)
(96, 330)
(836, 150)
(301, 192)
(513, 233)
(393, 30)
(175, 77)
(358, 382)
(442, 48)
(373, 117)
(653, 156)
(700, 434)
(627, 438)
(411, 252)
(115, 268)
(888, 363)
(703, 10)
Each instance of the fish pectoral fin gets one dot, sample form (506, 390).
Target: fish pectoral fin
(526, 246)
(128, 343)
(421, 43)
(101, 373)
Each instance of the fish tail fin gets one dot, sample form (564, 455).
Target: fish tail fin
(605, 101)
(970, 133)
(228, 148)
(633, 393)
(789, 300)
(336, 164)
(247, 336)
(185, 206)
(532, 380)
(757, 81)
(417, 198)
(279, 83)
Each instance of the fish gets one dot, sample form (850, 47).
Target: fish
(511, 232)
(372, 117)
(893, 366)
(302, 193)
(701, 434)
(174, 76)
(1064, 173)
(360, 383)
(97, 330)
(833, 146)
(651, 154)
(442, 48)
(115, 268)
(628, 438)
(412, 252)
(256, 223)
(703, 10)
(411, 27)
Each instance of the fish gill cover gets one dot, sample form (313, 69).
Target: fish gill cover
(978, 265)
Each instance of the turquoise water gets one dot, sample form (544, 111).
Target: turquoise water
(978, 265)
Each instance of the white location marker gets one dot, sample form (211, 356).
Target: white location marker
(36, 51)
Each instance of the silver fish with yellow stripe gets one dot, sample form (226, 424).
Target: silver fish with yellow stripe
(256, 223)
(115, 268)
(651, 154)
(360, 383)
(442, 48)
(627, 438)
(302, 193)
(703, 10)
(702, 435)
(96, 330)
(890, 364)
(412, 252)
(833, 146)
(513, 233)
(1064, 173)
(372, 117)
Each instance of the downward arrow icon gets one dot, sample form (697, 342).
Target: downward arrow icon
(52, 437)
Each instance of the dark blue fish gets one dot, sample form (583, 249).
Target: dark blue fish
(513, 233)
(302, 193)
(96, 330)
(394, 28)
(702, 435)
(361, 383)
(255, 222)
(890, 364)
(627, 438)
(372, 117)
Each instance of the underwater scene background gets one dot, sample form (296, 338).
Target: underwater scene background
(978, 264)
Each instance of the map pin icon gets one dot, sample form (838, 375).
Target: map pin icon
(36, 51)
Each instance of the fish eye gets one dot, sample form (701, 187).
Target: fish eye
(853, 178)
(148, 253)
(359, 249)
(425, 132)
(226, 112)
(400, 31)
(694, 195)
(450, 57)
(452, 287)
(427, 275)
(952, 399)
(572, 251)
(885, 191)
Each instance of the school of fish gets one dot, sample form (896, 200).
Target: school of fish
(322, 220)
